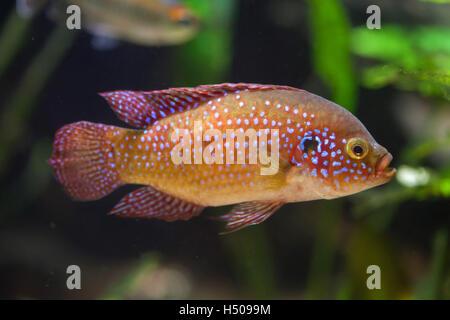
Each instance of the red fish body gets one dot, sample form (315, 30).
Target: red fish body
(322, 152)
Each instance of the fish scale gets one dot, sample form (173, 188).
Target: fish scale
(150, 149)
(315, 139)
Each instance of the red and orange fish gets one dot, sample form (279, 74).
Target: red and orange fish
(324, 152)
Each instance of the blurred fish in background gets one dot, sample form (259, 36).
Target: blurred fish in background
(142, 22)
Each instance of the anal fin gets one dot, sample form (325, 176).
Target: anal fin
(249, 213)
(147, 202)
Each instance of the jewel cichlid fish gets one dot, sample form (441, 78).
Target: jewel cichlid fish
(322, 152)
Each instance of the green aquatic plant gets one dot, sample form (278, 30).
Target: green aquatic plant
(431, 285)
(437, 1)
(30, 184)
(253, 262)
(319, 282)
(418, 151)
(18, 111)
(207, 58)
(330, 42)
(417, 59)
(128, 284)
(12, 38)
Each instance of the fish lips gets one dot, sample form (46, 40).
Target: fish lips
(382, 168)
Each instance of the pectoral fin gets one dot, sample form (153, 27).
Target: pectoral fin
(249, 213)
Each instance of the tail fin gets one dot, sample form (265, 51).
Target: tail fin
(83, 159)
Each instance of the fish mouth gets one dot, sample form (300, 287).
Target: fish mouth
(383, 169)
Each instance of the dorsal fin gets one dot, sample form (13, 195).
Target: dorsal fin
(142, 108)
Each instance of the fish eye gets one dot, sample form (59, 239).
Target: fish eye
(181, 16)
(185, 21)
(357, 148)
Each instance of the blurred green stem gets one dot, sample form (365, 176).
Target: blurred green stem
(207, 58)
(319, 278)
(330, 41)
(127, 285)
(253, 261)
(414, 154)
(12, 38)
(31, 182)
(431, 285)
(15, 117)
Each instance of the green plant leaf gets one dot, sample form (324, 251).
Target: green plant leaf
(330, 41)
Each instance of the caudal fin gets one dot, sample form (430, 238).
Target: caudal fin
(83, 159)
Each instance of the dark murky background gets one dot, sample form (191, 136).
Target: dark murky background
(396, 80)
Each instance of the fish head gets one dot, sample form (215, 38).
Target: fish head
(182, 16)
(366, 161)
(156, 23)
(182, 24)
(340, 155)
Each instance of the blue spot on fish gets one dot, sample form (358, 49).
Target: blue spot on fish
(336, 172)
